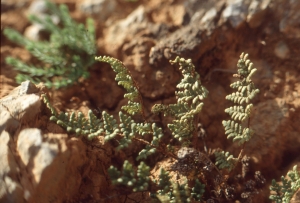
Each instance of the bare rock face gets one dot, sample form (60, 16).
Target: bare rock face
(20, 105)
(116, 34)
(36, 166)
(10, 190)
(100, 8)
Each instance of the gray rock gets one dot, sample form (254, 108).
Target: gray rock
(290, 21)
(235, 12)
(10, 190)
(22, 104)
(101, 8)
(208, 19)
(38, 6)
(117, 33)
(256, 12)
(28, 144)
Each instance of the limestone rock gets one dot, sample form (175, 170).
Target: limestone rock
(36, 167)
(117, 33)
(290, 19)
(235, 12)
(10, 190)
(21, 105)
(256, 12)
(101, 8)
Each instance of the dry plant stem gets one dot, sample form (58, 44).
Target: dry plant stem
(208, 159)
(140, 96)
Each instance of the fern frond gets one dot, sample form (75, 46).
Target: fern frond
(285, 192)
(164, 183)
(110, 125)
(138, 181)
(240, 113)
(198, 190)
(225, 160)
(143, 177)
(124, 79)
(189, 101)
(90, 127)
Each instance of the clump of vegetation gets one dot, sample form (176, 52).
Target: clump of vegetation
(204, 174)
(64, 58)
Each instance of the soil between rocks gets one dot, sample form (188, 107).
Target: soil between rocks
(166, 30)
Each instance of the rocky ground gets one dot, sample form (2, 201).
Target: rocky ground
(42, 163)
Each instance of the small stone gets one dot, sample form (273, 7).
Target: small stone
(37, 7)
(159, 75)
(281, 50)
(33, 32)
(184, 151)
(101, 8)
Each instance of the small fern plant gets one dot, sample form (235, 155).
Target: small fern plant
(238, 127)
(285, 192)
(65, 58)
(127, 131)
(197, 170)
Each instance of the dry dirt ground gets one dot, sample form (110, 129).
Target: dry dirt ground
(157, 32)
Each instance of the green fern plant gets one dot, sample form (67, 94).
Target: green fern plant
(65, 58)
(126, 130)
(285, 192)
(197, 168)
(238, 127)
(189, 102)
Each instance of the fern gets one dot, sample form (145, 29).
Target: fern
(225, 160)
(90, 127)
(284, 192)
(238, 127)
(164, 183)
(198, 190)
(64, 59)
(124, 79)
(137, 181)
(193, 166)
(189, 101)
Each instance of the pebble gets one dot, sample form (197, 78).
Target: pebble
(281, 50)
